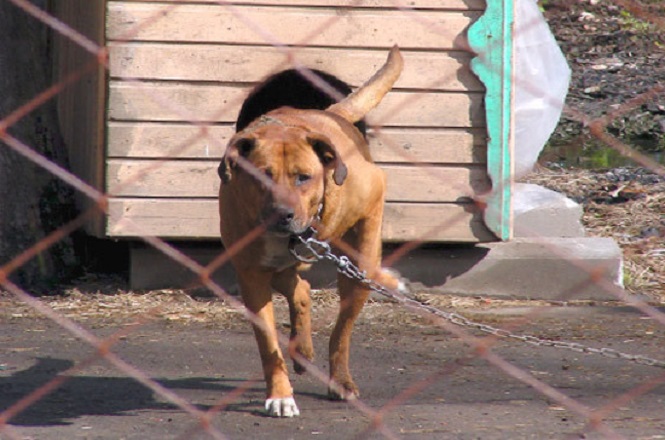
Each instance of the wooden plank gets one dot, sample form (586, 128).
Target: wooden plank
(416, 4)
(199, 219)
(433, 146)
(80, 105)
(434, 183)
(187, 178)
(214, 103)
(290, 26)
(163, 218)
(243, 64)
(183, 141)
(434, 223)
(166, 140)
(146, 102)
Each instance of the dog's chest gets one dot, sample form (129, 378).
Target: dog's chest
(276, 254)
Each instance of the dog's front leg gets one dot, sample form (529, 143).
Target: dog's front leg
(297, 292)
(255, 287)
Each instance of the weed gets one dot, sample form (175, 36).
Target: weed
(632, 24)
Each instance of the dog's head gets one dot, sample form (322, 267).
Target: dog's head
(287, 168)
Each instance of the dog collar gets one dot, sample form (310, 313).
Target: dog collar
(265, 120)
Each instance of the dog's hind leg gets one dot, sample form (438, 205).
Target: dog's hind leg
(352, 299)
(257, 294)
(297, 292)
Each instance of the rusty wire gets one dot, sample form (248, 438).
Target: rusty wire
(202, 420)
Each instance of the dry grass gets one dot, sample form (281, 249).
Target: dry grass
(113, 305)
(124, 306)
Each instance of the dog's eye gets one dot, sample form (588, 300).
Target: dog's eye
(302, 179)
(268, 173)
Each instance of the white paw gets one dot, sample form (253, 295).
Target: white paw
(403, 288)
(285, 407)
(402, 283)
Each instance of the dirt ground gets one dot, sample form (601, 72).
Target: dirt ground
(205, 360)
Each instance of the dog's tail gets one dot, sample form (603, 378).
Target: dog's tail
(355, 106)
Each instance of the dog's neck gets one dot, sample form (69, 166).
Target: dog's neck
(276, 254)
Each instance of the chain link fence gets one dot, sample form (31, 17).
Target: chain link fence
(136, 30)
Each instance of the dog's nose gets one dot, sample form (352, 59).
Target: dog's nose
(282, 217)
(285, 218)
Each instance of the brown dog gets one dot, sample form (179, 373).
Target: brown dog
(289, 170)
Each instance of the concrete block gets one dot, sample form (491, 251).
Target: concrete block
(151, 269)
(545, 268)
(541, 212)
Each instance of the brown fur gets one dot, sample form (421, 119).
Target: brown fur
(284, 171)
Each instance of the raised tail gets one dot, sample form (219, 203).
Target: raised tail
(356, 105)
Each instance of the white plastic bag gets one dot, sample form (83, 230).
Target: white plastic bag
(542, 77)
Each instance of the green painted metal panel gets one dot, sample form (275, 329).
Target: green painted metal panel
(491, 38)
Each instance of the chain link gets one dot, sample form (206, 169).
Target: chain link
(320, 250)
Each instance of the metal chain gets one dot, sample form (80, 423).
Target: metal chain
(320, 250)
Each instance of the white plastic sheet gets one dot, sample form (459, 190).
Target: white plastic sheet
(542, 77)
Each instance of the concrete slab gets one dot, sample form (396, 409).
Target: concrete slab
(551, 269)
(544, 268)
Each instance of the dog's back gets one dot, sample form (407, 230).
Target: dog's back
(290, 88)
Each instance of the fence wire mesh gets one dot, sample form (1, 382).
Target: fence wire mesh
(595, 119)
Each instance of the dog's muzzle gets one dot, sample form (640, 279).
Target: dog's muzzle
(282, 220)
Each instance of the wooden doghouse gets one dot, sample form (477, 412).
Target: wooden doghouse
(445, 128)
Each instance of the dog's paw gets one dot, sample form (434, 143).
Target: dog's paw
(300, 349)
(394, 281)
(299, 368)
(403, 287)
(282, 407)
(346, 391)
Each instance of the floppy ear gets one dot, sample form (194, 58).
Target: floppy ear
(238, 146)
(328, 156)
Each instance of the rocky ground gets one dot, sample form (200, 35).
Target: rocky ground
(617, 54)
(616, 50)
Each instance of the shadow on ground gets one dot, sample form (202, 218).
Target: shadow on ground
(97, 396)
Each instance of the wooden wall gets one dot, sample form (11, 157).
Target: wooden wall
(176, 66)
